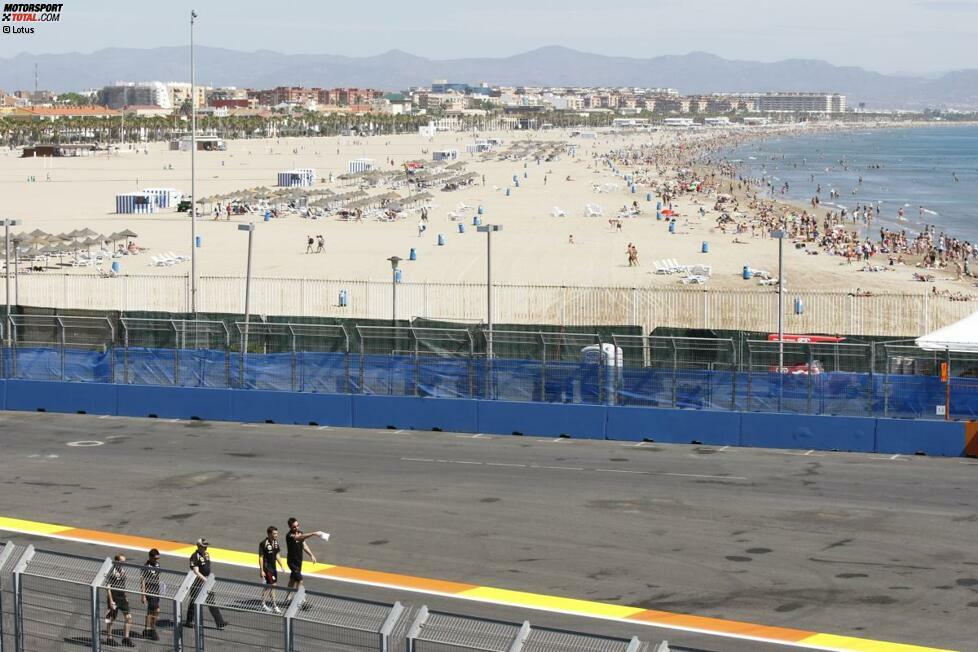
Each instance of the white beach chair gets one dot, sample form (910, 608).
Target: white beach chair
(559, 212)
(593, 210)
(175, 257)
(674, 265)
(705, 271)
(660, 267)
(693, 279)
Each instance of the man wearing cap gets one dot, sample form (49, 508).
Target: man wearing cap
(200, 565)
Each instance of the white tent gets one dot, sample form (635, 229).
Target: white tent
(961, 336)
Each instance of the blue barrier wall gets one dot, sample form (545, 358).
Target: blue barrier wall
(863, 434)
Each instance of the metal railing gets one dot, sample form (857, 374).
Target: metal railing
(883, 313)
(890, 379)
(62, 601)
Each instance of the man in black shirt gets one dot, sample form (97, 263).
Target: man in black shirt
(295, 542)
(118, 601)
(269, 554)
(200, 564)
(150, 588)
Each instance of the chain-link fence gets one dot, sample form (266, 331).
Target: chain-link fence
(436, 360)
(436, 631)
(187, 353)
(62, 348)
(9, 554)
(144, 603)
(56, 601)
(59, 601)
(329, 622)
(810, 377)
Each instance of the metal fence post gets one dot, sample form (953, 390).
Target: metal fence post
(415, 630)
(811, 375)
(298, 599)
(205, 591)
(21, 566)
(61, 341)
(176, 354)
(96, 583)
(388, 627)
(178, 598)
(294, 357)
(521, 637)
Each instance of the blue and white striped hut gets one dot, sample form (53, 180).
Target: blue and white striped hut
(164, 197)
(360, 165)
(309, 174)
(293, 178)
(135, 202)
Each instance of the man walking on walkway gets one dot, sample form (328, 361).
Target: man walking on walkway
(200, 565)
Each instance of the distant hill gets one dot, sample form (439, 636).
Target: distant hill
(697, 72)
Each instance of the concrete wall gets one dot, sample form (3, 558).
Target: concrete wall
(862, 434)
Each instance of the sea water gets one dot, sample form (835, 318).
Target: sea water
(931, 172)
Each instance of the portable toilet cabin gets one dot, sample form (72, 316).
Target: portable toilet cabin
(601, 371)
(360, 165)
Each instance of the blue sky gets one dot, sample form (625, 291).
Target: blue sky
(885, 35)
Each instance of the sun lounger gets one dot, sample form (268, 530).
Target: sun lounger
(660, 267)
(701, 270)
(768, 281)
(559, 212)
(593, 210)
(693, 279)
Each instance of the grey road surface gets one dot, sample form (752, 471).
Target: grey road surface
(862, 545)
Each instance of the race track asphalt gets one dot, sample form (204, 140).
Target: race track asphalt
(871, 546)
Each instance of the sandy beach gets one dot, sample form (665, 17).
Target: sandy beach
(534, 247)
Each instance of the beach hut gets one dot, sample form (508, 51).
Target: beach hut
(294, 178)
(164, 197)
(134, 202)
(360, 165)
(444, 155)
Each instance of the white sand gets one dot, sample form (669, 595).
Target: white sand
(532, 248)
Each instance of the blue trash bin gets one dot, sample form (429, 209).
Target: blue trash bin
(116, 267)
(672, 226)
(658, 205)
(461, 229)
(658, 215)
(413, 255)
(198, 241)
(705, 247)
(507, 192)
(748, 274)
(481, 210)
(441, 239)
(476, 221)
(799, 306)
(648, 196)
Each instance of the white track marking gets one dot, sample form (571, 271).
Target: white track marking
(84, 443)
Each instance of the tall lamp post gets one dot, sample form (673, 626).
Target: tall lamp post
(780, 235)
(6, 269)
(394, 262)
(193, 170)
(489, 229)
(250, 228)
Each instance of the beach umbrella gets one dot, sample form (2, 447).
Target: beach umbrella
(37, 232)
(87, 232)
(128, 234)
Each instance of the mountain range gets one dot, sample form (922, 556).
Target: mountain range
(696, 72)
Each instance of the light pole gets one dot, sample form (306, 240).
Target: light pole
(394, 261)
(489, 229)
(193, 171)
(779, 235)
(6, 268)
(250, 228)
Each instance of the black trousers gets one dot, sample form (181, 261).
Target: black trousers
(215, 612)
